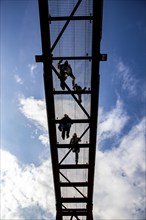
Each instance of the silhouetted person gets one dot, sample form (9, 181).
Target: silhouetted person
(65, 125)
(74, 141)
(76, 87)
(65, 71)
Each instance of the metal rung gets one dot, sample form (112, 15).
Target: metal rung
(72, 58)
(74, 200)
(75, 121)
(70, 184)
(76, 212)
(62, 18)
(71, 92)
(68, 145)
(73, 166)
(41, 58)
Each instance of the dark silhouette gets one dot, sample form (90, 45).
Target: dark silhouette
(65, 71)
(76, 87)
(65, 125)
(74, 141)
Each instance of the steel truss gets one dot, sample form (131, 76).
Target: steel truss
(47, 58)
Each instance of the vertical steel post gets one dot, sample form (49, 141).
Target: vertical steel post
(95, 80)
(48, 83)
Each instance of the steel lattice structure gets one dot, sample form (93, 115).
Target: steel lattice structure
(81, 206)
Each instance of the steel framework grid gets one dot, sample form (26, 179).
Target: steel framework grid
(47, 59)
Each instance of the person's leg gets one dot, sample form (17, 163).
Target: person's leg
(63, 134)
(79, 97)
(67, 132)
(62, 80)
(73, 81)
(73, 78)
(76, 157)
(62, 84)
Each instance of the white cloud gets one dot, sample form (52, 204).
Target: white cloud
(25, 186)
(32, 67)
(119, 189)
(44, 139)
(124, 72)
(120, 178)
(112, 122)
(18, 79)
(34, 110)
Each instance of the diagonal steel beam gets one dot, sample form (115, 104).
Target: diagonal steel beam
(73, 186)
(71, 214)
(71, 94)
(73, 145)
(67, 22)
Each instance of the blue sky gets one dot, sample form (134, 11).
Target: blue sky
(26, 174)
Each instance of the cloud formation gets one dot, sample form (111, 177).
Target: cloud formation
(111, 123)
(18, 79)
(32, 67)
(119, 189)
(120, 178)
(27, 191)
(35, 111)
(129, 82)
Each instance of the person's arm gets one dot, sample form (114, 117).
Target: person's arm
(71, 141)
(60, 61)
(70, 120)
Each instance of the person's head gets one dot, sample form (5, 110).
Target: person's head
(66, 63)
(65, 115)
(74, 135)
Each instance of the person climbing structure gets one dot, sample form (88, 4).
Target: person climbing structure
(65, 71)
(74, 141)
(65, 125)
(76, 87)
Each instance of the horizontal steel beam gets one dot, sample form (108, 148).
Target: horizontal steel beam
(75, 213)
(68, 145)
(73, 58)
(73, 166)
(74, 210)
(62, 18)
(74, 200)
(72, 184)
(100, 57)
(41, 58)
(74, 121)
(71, 92)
